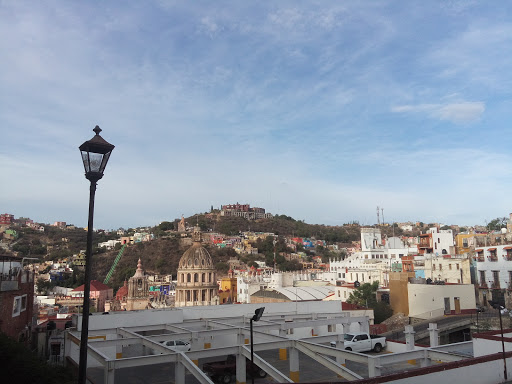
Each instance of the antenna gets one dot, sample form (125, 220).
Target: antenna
(378, 215)
(382, 209)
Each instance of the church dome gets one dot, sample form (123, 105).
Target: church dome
(196, 257)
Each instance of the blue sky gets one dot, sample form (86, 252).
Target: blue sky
(321, 110)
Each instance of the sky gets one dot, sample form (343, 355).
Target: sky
(319, 110)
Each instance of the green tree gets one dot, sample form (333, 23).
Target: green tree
(497, 224)
(381, 311)
(44, 286)
(166, 226)
(365, 295)
(222, 267)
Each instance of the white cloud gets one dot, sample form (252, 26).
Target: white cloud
(458, 113)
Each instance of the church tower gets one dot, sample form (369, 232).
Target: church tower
(138, 290)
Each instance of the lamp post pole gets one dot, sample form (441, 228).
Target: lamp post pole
(95, 155)
(503, 346)
(257, 316)
(252, 353)
(82, 368)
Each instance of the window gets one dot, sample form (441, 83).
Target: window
(433, 267)
(440, 267)
(457, 266)
(23, 303)
(345, 294)
(331, 328)
(450, 267)
(16, 307)
(482, 278)
(496, 277)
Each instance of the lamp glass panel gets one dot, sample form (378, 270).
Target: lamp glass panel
(104, 161)
(95, 162)
(85, 160)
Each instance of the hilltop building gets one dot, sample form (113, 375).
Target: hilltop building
(245, 211)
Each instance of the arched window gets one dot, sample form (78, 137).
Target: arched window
(196, 277)
(203, 277)
(189, 278)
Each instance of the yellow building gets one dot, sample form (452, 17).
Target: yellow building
(466, 242)
(228, 289)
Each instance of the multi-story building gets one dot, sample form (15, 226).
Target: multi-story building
(451, 269)
(16, 299)
(494, 274)
(466, 242)
(437, 242)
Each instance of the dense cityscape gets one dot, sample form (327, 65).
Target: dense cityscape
(393, 273)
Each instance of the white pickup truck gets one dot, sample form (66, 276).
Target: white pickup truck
(362, 342)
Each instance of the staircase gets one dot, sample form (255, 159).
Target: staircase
(114, 265)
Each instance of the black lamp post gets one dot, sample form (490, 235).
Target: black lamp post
(95, 155)
(257, 316)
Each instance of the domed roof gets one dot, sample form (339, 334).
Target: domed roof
(196, 257)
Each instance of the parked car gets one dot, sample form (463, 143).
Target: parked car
(177, 345)
(362, 342)
(223, 370)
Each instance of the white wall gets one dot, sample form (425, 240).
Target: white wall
(425, 298)
(482, 347)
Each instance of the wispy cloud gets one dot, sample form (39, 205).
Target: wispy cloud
(316, 110)
(458, 113)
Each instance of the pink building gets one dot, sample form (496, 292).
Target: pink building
(99, 292)
(6, 219)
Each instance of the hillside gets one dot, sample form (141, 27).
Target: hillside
(163, 254)
(160, 256)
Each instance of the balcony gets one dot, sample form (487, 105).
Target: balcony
(495, 285)
(508, 257)
(480, 258)
(483, 286)
(493, 257)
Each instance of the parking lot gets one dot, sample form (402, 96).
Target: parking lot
(310, 370)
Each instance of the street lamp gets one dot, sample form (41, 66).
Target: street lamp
(95, 155)
(257, 316)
